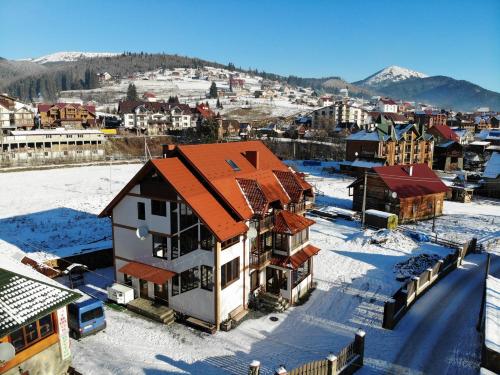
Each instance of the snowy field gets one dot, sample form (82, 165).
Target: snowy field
(49, 212)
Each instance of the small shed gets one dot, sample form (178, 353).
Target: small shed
(381, 219)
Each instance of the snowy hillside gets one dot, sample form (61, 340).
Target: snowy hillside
(390, 75)
(70, 56)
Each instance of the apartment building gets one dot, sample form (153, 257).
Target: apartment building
(70, 115)
(210, 226)
(396, 144)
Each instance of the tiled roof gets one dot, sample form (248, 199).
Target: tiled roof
(24, 300)
(294, 261)
(291, 223)
(146, 272)
(293, 185)
(211, 161)
(443, 131)
(254, 195)
(47, 107)
(128, 106)
(422, 181)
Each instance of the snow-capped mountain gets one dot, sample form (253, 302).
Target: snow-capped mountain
(70, 56)
(390, 75)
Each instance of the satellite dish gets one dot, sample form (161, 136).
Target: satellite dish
(7, 352)
(252, 233)
(142, 232)
(394, 195)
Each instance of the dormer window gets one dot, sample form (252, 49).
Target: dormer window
(233, 165)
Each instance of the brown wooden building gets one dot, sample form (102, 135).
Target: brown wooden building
(413, 192)
(66, 114)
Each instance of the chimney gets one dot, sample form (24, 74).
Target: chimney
(167, 150)
(253, 158)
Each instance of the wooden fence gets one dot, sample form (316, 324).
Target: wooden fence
(401, 301)
(347, 362)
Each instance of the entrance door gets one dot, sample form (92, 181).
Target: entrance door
(143, 288)
(273, 280)
(161, 294)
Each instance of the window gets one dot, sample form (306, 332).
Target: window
(175, 285)
(187, 217)
(160, 246)
(207, 282)
(230, 272)
(158, 208)
(141, 211)
(31, 333)
(300, 273)
(206, 238)
(280, 242)
(127, 279)
(190, 279)
(188, 241)
(92, 314)
(230, 242)
(299, 238)
(233, 165)
(173, 217)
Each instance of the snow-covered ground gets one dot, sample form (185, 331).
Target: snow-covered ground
(52, 213)
(48, 211)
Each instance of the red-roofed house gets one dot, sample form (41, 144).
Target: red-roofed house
(448, 152)
(220, 223)
(387, 105)
(413, 192)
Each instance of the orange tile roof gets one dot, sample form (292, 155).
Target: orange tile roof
(254, 195)
(291, 223)
(204, 204)
(293, 185)
(146, 272)
(210, 160)
(294, 261)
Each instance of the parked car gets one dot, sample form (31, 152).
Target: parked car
(85, 317)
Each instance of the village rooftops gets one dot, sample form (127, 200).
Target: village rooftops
(411, 180)
(444, 131)
(26, 295)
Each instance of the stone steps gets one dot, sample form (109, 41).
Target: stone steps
(273, 303)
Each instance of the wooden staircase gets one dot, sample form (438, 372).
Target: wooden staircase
(152, 310)
(272, 303)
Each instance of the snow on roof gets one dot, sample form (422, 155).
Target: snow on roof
(480, 143)
(492, 313)
(366, 164)
(492, 169)
(379, 213)
(26, 295)
(363, 135)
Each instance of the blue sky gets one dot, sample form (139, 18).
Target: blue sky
(349, 38)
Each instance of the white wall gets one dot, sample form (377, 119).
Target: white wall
(232, 296)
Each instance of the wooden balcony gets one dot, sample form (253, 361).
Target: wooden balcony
(266, 223)
(257, 260)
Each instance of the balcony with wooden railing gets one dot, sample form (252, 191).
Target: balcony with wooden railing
(266, 223)
(257, 259)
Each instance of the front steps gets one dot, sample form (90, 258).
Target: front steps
(152, 310)
(273, 303)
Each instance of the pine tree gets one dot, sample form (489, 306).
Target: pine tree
(213, 91)
(132, 92)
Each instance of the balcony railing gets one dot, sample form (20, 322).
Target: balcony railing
(257, 260)
(266, 223)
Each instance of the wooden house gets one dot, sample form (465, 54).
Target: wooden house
(33, 321)
(491, 177)
(412, 192)
(66, 114)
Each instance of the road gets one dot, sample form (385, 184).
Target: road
(438, 335)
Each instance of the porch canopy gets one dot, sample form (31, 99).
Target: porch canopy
(293, 262)
(146, 272)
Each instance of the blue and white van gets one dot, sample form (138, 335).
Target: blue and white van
(85, 317)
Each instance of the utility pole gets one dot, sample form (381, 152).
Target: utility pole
(434, 218)
(364, 201)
